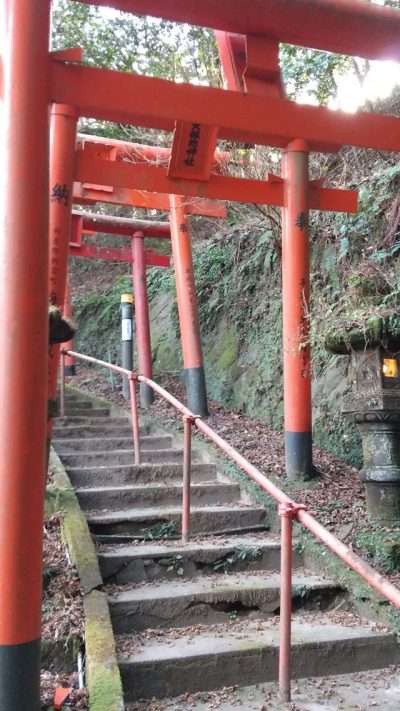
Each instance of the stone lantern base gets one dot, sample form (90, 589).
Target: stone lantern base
(380, 432)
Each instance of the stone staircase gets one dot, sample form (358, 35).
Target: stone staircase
(204, 614)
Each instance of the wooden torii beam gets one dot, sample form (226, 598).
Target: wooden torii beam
(118, 225)
(117, 254)
(106, 95)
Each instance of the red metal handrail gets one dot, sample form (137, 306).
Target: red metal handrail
(288, 509)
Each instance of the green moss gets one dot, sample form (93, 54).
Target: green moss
(333, 433)
(75, 530)
(102, 672)
(228, 347)
(383, 546)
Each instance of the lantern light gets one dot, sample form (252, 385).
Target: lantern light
(390, 368)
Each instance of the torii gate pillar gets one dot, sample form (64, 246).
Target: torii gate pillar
(24, 138)
(62, 157)
(296, 311)
(143, 343)
(187, 308)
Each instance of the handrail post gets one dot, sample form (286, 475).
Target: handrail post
(62, 383)
(287, 512)
(135, 418)
(187, 460)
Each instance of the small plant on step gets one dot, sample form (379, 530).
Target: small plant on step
(238, 555)
(166, 529)
(300, 591)
(176, 565)
(232, 615)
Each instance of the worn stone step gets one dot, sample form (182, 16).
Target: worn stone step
(72, 411)
(144, 473)
(375, 688)
(214, 599)
(115, 497)
(108, 428)
(154, 561)
(75, 404)
(247, 653)
(124, 456)
(205, 520)
(93, 444)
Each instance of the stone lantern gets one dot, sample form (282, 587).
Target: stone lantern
(373, 404)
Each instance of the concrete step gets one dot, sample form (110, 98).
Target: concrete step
(214, 599)
(378, 688)
(93, 444)
(124, 456)
(88, 412)
(109, 428)
(165, 664)
(75, 404)
(143, 523)
(117, 497)
(155, 561)
(144, 473)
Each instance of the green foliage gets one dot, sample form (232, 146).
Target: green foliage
(383, 547)
(312, 73)
(213, 272)
(300, 591)
(166, 529)
(158, 280)
(98, 317)
(175, 564)
(239, 555)
(49, 572)
(333, 433)
(131, 43)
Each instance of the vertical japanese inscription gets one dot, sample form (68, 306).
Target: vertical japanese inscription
(193, 145)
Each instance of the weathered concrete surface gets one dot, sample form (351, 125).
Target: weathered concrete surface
(91, 444)
(107, 428)
(208, 519)
(227, 656)
(120, 456)
(361, 690)
(143, 473)
(211, 599)
(75, 404)
(151, 561)
(71, 411)
(116, 497)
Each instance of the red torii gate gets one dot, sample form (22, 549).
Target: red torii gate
(349, 26)
(147, 257)
(122, 152)
(294, 192)
(136, 255)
